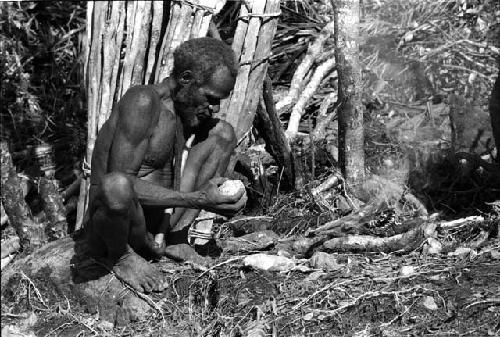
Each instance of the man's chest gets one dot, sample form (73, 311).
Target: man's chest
(160, 149)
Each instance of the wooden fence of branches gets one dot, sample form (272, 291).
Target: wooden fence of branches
(132, 42)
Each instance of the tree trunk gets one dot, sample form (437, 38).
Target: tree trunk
(351, 133)
(495, 115)
(130, 43)
(18, 212)
(53, 205)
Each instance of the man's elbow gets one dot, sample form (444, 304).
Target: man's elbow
(225, 132)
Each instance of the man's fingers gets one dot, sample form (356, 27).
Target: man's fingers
(231, 199)
(232, 208)
(218, 180)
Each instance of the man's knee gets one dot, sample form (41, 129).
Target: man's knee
(224, 134)
(117, 192)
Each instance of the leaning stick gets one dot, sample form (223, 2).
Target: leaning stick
(216, 6)
(299, 108)
(238, 40)
(247, 56)
(313, 51)
(196, 26)
(258, 68)
(324, 117)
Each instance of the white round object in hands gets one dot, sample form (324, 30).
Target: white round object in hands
(231, 187)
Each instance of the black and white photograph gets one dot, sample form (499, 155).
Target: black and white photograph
(250, 168)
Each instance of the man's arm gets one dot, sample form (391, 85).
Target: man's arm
(138, 113)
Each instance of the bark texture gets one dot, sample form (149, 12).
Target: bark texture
(313, 52)
(18, 212)
(351, 133)
(252, 46)
(272, 131)
(495, 115)
(53, 205)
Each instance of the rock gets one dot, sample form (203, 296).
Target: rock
(327, 262)
(461, 252)
(231, 187)
(284, 253)
(433, 246)
(314, 276)
(251, 242)
(407, 270)
(13, 331)
(303, 245)
(269, 262)
(250, 225)
(62, 271)
(429, 303)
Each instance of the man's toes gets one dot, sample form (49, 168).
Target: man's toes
(136, 286)
(209, 261)
(146, 286)
(158, 285)
(153, 284)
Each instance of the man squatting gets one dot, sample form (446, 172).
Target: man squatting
(132, 173)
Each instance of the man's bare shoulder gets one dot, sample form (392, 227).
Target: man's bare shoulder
(140, 96)
(138, 110)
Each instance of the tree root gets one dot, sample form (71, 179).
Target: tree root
(405, 242)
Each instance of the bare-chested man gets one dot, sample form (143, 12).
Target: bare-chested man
(132, 174)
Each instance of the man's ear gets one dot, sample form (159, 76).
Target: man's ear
(186, 77)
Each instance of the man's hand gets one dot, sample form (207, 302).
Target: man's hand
(227, 205)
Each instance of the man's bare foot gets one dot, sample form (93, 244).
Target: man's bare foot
(152, 250)
(186, 253)
(138, 273)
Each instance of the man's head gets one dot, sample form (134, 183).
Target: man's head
(205, 71)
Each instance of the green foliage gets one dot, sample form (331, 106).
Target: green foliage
(41, 92)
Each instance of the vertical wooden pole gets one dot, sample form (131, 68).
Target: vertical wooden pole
(185, 18)
(156, 25)
(122, 50)
(252, 45)
(351, 134)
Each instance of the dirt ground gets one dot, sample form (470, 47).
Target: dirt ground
(450, 294)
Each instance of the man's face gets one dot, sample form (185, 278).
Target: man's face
(196, 103)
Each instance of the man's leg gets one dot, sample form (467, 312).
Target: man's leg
(118, 230)
(207, 159)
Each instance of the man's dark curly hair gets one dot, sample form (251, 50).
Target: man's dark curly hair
(203, 56)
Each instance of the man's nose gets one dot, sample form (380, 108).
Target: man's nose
(214, 108)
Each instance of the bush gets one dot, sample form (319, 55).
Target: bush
(43, 99)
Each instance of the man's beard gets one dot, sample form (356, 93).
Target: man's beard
(185, 107)
(191, 112)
